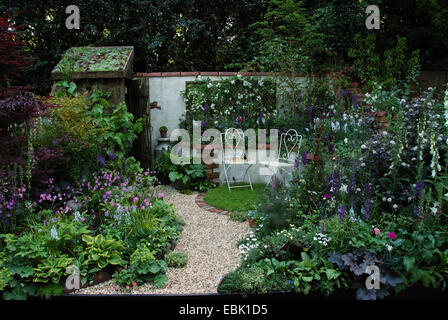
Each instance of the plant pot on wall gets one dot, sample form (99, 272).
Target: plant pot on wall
(163, 131)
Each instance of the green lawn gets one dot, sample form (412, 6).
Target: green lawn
(236, 200)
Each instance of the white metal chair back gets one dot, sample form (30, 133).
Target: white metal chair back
(234, 138)
(290, 141)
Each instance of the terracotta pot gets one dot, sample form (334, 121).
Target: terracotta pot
(163, 134)
(251, 222)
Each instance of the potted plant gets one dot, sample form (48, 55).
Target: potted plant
(252, 217)
(163, 130)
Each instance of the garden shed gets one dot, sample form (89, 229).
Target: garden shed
(108, 68)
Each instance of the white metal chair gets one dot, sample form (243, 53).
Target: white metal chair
(233, 139)
(290, 143)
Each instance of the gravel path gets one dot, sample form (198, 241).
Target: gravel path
(209, 239)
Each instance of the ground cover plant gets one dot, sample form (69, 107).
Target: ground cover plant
(93, 59)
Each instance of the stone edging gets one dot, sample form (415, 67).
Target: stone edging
(202, 204)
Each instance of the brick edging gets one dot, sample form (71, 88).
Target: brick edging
(202, 204)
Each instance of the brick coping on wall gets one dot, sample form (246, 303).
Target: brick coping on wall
(202, 204)
(206, 74)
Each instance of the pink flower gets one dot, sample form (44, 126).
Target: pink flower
(117, 287)
(392, 235)
(127, 287)
(377, 231)
(239, 119)
(135, 199)
(327, 196)
(134, 283)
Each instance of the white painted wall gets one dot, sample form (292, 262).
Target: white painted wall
(166, 91)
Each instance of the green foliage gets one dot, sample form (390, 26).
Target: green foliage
(143, 268)
(52, 269)
(51, 289)
(387, 70)
(425, 259)
(194, 36)
(185, 175)
(288, 39)
(5, 275)
(309, 274)
(70, 129)
(141, 259)
(119, 125)
(159, 225)
(176, 259)
(65, 88)
(102, 251)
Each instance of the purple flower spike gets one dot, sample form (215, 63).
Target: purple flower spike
(305, 158)
(419, 188)
(342, 211)
(101, 160)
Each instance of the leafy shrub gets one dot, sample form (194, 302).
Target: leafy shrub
(183, 175)
(176, 259)
(70, 129)
(397, 64)
(121, 129)
(143, 268)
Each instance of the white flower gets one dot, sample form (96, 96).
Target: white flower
(54, 233)
(389, 199)
(395, 206)
(363, 146)
(392, 142)
(345, 140)
(389, 247)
